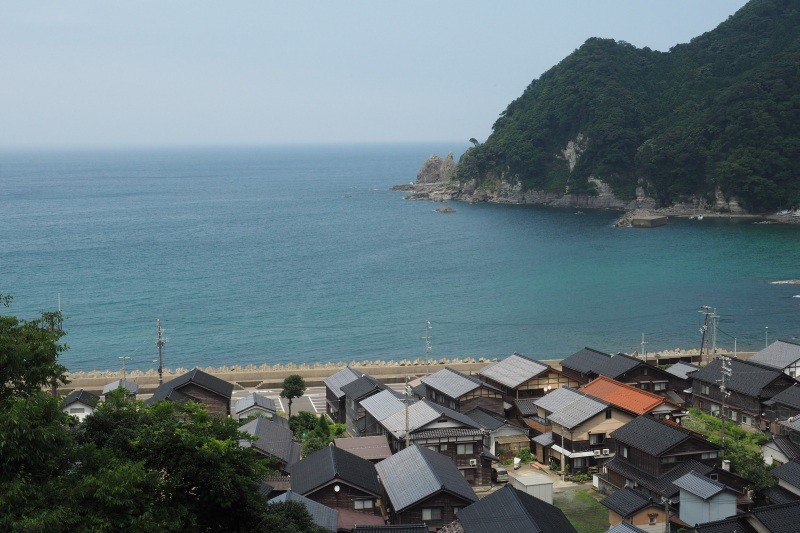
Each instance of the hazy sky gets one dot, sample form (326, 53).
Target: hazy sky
(199, 72)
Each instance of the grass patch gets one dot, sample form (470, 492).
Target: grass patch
(583, 510)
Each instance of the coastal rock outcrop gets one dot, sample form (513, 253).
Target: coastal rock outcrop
(437, 170)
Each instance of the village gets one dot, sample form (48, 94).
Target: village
(686, 443)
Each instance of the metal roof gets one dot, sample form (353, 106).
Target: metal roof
(700, 486)
(682, 370)
(131, 386)
(452, 383)
(416, 473)
(780, 354)
(384, 404)
(545, 439)
(341, 378)
(322, 515)
(569, 407)
(254, 400)
(513, 371)
(512, 511)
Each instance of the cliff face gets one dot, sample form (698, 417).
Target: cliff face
(711, 123)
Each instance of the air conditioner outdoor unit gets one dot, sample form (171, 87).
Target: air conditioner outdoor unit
(473, 462)
(606, 451)
(596, 453)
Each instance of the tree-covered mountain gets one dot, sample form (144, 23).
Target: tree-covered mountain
(718, 115)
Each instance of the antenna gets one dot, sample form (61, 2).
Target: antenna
(160, 342)
(644, 350)
(727, 371)
(408, 438)
(123, 358)
(427, 338)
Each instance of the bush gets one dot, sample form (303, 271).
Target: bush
(525, 455)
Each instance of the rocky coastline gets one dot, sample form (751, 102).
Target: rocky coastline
(435, 182)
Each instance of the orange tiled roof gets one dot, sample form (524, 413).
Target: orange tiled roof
(622, 395)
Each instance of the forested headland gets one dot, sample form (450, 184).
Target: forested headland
(713, 121)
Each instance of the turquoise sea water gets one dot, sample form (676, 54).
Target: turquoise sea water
(253, 255)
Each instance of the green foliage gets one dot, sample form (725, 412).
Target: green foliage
(302, 424)
(720, 112)
(525, 455)
(294, 386)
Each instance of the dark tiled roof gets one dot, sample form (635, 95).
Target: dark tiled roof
(737, 524)
(526, 406)
(663, 485)
(322, 515)
(786, 446)
(789, 472)
(779, 518)
(341, 378)
(453, 383)
(333, 463)
(445, 432)
(545, 439)
(411, 528)
(625, 527)
(789, 397)
(254, 400)
(653, 436)
(487, 419)
(747, 378)
(420, 414)
(513, 371)
(627, 501)
(362, 387)
(82, 396)
(777, 494)
(779, 354)
(589, 360)
(416, 473)
(196, 376)
(512, 511)
(131, 386)
(274, 438)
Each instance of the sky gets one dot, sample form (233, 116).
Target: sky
(154, 73)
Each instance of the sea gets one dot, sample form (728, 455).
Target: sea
(276, 254)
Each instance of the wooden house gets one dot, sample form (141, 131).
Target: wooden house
(511, 510)
(634, 507)
(588, 363)
(334, 396)
(783, 354)
(704, 500)
(630, 399)
(198, 386)
(131, 387)
(461, 392)
(273, 438)
(355, 392)
(423, 486)
(254, 404)
(518, 376)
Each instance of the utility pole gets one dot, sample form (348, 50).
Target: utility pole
(766, 336)
(666, 503)
(712, 314)
(408, 438)
(123, 359)
(705, 310)
(727, 371)
(160, 342)
(644, 349)
(714, 322)
(427, 338)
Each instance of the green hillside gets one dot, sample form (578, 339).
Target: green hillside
(719, 113)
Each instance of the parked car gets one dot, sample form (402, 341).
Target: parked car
(499, 474)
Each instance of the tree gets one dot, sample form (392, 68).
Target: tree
(294, 386)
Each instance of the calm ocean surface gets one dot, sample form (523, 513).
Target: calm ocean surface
(303, 254)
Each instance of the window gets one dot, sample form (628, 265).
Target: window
(597, 438)
(76, 409)
(709, 455)
(652, 518)
(456, 509)
(443, 447)
(745, 420)
(431, 513)
(579, 462)
(704, 389)
(661, 385)
(608, 414)
(433, 447)
(644, 372)
(669, 459)
(465, 449)
(645, 386)
(363, 504)
(623, 451)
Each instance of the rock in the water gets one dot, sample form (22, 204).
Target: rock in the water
(437, 170)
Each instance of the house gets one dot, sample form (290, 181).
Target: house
(509, 510)
(423, 486)
(80, 404)
(131, 387)
(788, 487)
(518, 376)
(198, 386)
(630, 399)
(501, 437)
(322, 515)
(339, 479)
(651, 454)
(682, 370)
(374, 448)
(783, 354)
(409, 528)
(579, 427)
(625, 527)
(354, 392)
(750, 385)
(628, 505)
(704, 500)
(273, 438)
(379, 407)
(449, 432)
(588, 363)
(461, 392)
(254, 404)
(782, 406)
(779, 518)
(334, 396)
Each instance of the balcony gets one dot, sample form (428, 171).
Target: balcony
(538, 424)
